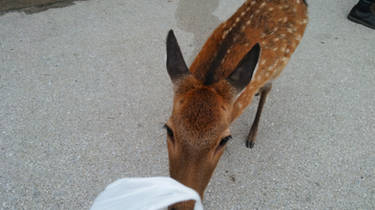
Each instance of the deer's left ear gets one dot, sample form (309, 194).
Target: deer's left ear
(176, 65)
(243, 73)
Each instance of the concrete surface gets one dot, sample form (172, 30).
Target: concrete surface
(84, 94)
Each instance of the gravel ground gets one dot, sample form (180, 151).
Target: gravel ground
(84, 94)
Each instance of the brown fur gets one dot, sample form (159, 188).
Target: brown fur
(205, 104)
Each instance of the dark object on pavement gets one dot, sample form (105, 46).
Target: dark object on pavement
(363, 13)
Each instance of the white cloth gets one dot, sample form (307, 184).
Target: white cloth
(144, 194)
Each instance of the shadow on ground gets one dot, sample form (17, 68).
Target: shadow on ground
(32, 6)
(194, 16)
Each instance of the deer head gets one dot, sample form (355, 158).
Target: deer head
(198, 129)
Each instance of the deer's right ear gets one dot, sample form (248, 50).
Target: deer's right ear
(176, 65)
(243, 73)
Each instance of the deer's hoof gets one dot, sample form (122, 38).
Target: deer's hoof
(250, 144)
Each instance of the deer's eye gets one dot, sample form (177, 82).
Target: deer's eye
(169, 131)
(224, 140)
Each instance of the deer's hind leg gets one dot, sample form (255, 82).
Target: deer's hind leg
(263, 92)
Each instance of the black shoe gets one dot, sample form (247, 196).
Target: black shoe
(362, 16)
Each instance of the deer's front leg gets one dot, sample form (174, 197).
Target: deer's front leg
(254, 128)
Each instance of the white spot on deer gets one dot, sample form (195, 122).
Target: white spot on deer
(248, 22)
(289, 30)
(287, 50)
(285, 19)
(239, 105)
(298, 37)
(237, 19)
(253, 2)
(262, 5)
(304, 21)
(274, 49)
(270, 9)
(243, 13)
(276, 39)
(243, 28)
(224, 34)
(276, 62)
(263, 62)
(298, 1)
(267, 74)
(284, 59)
(257, 11)
(231, 28)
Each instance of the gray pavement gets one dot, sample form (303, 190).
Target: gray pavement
(84, 94)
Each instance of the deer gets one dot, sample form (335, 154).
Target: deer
(239, 60)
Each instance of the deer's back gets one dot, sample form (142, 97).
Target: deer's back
(277, 25)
